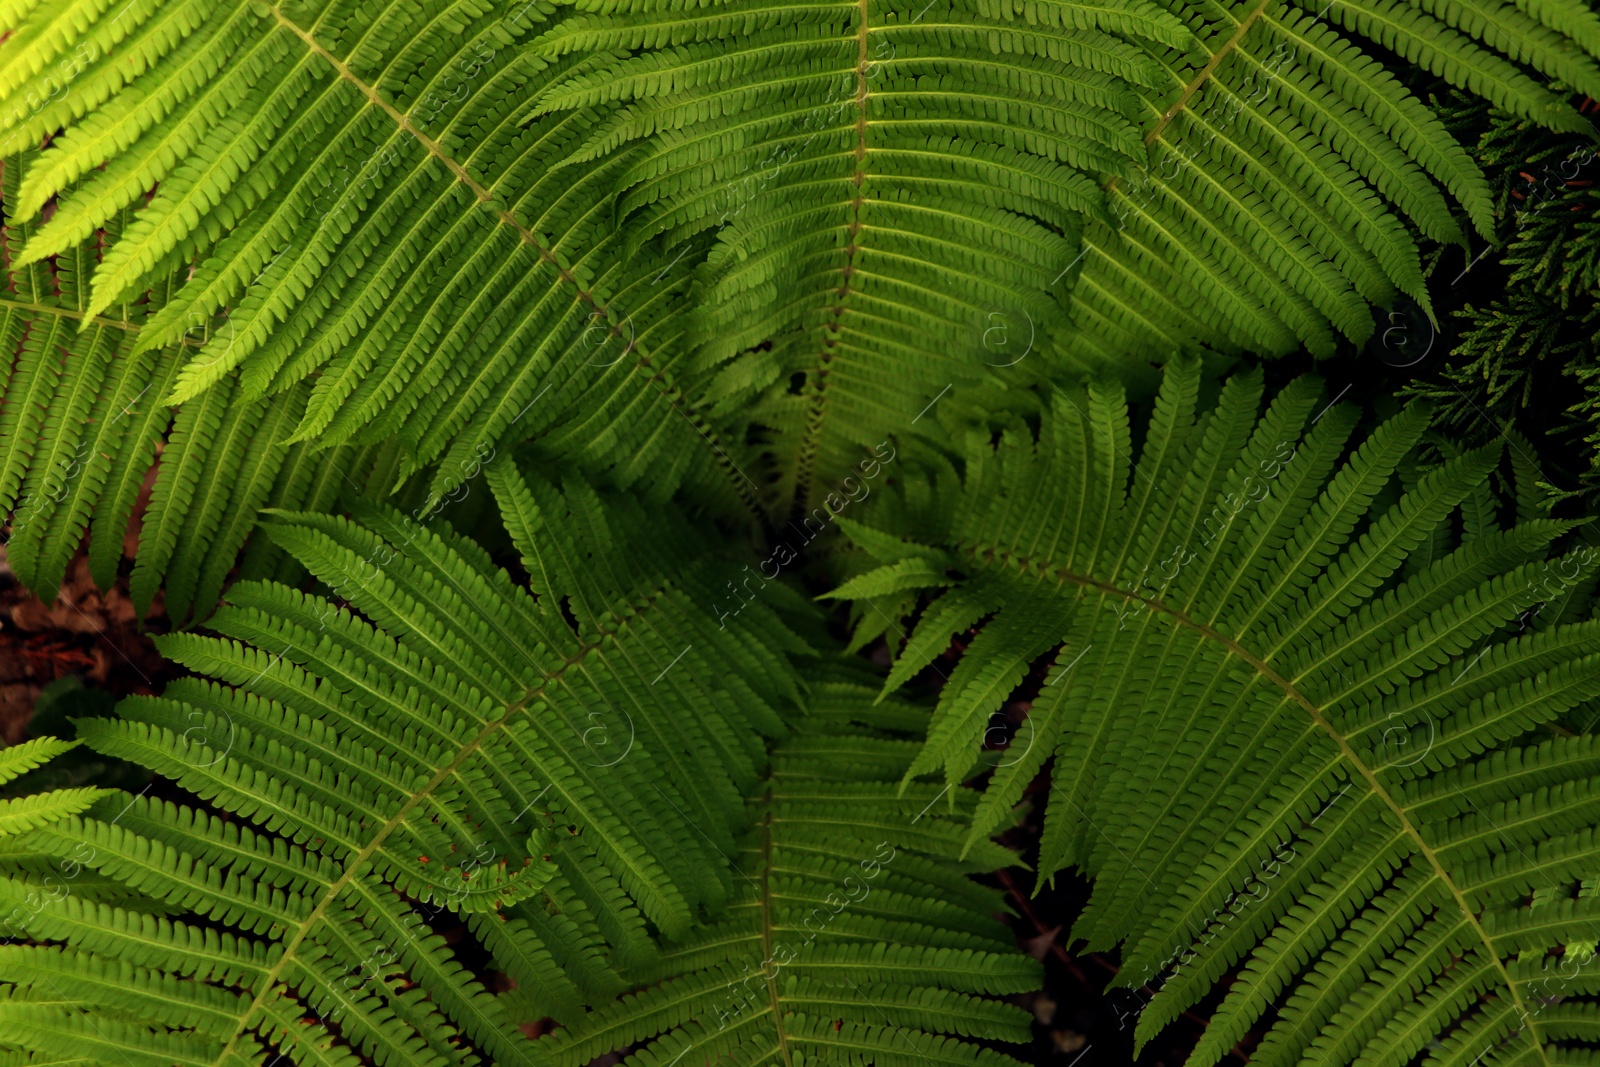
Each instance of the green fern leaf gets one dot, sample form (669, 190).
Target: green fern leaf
(852, 934)
(434, 754)
(1351, 800)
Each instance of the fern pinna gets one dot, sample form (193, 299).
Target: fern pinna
(1287, 737)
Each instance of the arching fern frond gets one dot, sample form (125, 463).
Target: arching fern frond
(853, 935)
(82, 419)
(895, 184)
(887, 181)
(358, 205)
(536, 760)
(482, 220)
(1284, 157)
(1275, 746)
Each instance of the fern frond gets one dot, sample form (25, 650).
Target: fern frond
(853, 934)
(1350, 758)
(428, 749)
(355, 203)
(671, 244)
(81, 416)
(886, 182)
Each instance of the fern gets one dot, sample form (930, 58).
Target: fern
(513, 220)
(21, 814)
(434, 758)
(852, 934)
(81, 416)
(897, 189)
(1273, 748)
(435, 754)
(246, 274)
(358, 206)
(330, 262)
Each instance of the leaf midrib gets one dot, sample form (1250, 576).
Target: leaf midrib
(811, 440)
(1195, 84)
(92, 320)
(771, 976)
